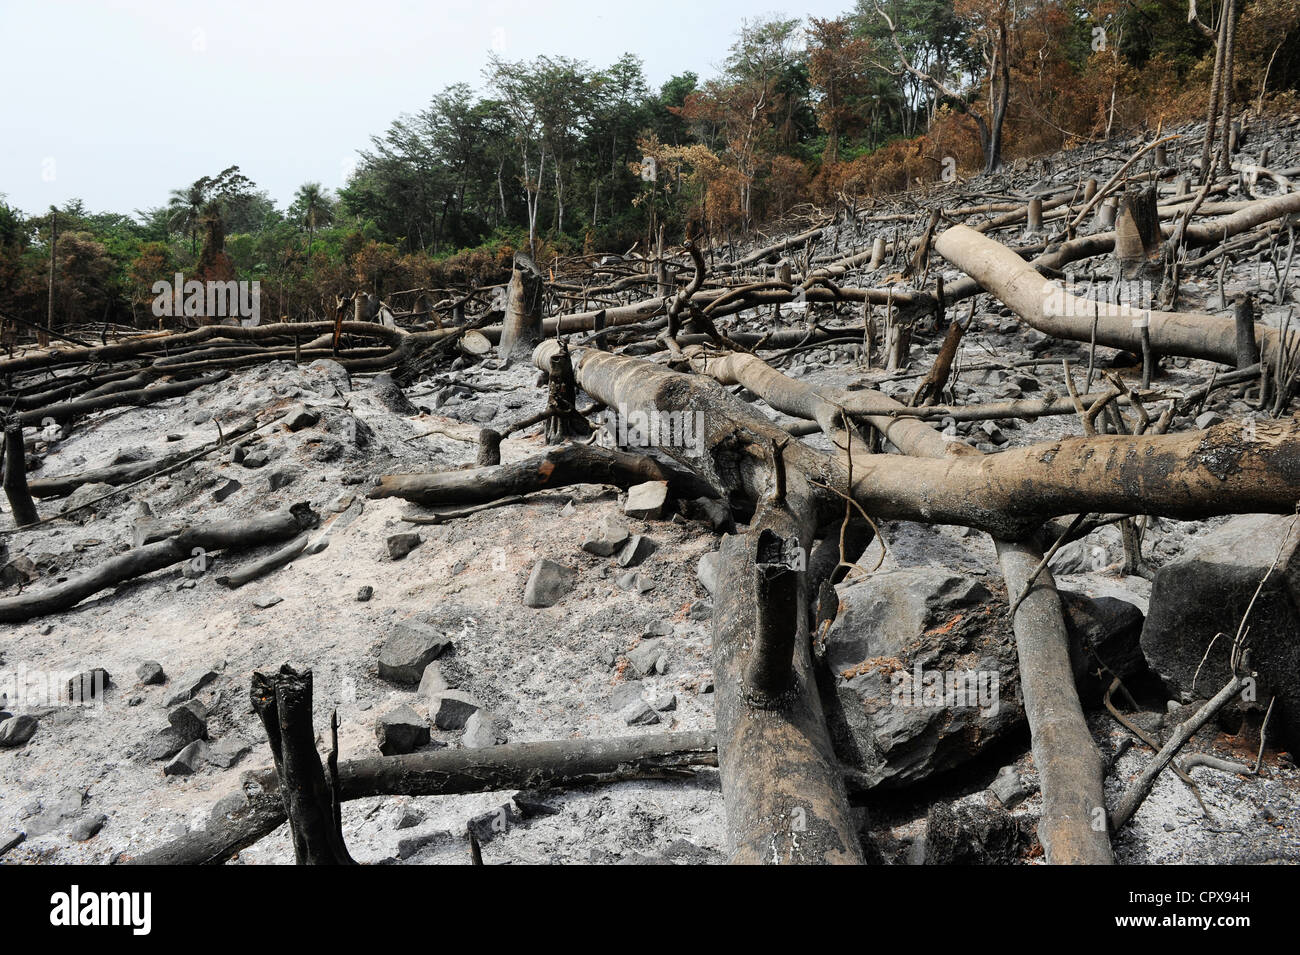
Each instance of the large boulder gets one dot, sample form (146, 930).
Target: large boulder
(1207, 591)
(924, 668)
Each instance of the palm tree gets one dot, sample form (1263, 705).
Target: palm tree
(313, 205)
(184, 209)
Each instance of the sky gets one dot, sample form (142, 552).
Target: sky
(118, 103)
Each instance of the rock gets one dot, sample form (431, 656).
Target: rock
(410, 845)
(548, 583)
(665, 702)
(17, 730)
(1079, 557)
(481, 731)
(267, 601)
(401, 731)
(256, 459)
(1208, 419)
(636, 550)
(1207, 590)
(924, 664)
(642, 660)
(1105, 631)
(228, 751)
(880, 618)
(707, 571)
(87, 827)
(365, 593)
(282, 477)
(191, 683)
(639, 713)
(77, 507)
(712, 512)
(432, 683)
(88, 685)
(190, 721)
(389, 394)
(19, 572)
(54, 814)
(1009, 789)
(970, 835)
(188, 761)
(660, 628)
(150, 673)
(451, 709)
(327, 377)
(624, 695)
(399, 545)
(226, 490)
(301, 417)
(647, 501)
(607, 538)
(407, 817)
(412, 646)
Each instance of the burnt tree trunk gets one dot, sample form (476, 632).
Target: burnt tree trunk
(283, 702)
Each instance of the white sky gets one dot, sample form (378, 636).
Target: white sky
(116, 103)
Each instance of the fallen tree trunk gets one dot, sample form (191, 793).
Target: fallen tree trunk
(1046, 306)
(144, 560)
(553, 764)
(562, 466)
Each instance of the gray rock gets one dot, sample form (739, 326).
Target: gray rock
(77, 507)
(1103, 631)
(665, 702)
(191, 682)
(267, 601)
(481, 731)
(282, 477)
(150, 673)
(228, 751)
(548, 583)
(1009, 789)
(401, 731)
(412, 646)
(712, 512)
(452, 709)
(607, 538)
(365, 593)
(226, 490)
(389, 394)
(639, 713)
(432, 682)
(327, 377)
(47, 816)
(636, 550)
(188, 761)
(410, 845)
(1208, 419)
(399, 545)
(924, 664)
(189, 720)
(256, 459)
(624, 695)
(1206, 591)
(883, 616)
(647, 501)
(707, 571)
(17, 730)
(642, 659)
(87, 827)
(301, 417)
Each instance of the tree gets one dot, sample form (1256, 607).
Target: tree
(990, 22)
(313, 208)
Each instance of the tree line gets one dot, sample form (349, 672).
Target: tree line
(555, 156)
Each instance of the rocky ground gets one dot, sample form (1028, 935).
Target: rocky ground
(624, 647)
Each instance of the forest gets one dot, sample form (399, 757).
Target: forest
(559, 157)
